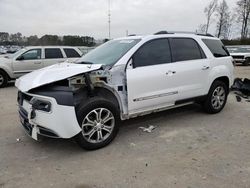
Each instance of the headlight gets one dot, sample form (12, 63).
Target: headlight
(38, 104)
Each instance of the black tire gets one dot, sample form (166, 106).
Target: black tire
(208, 105)
(246, 62)
(82, 113)
(3, 79)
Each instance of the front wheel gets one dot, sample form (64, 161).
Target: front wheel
(216, 98)
(99, 121)
(3, 79)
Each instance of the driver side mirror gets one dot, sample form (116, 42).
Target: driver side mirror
(20, 58)
(130, 64)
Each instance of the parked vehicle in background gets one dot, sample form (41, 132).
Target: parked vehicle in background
(85, 49)
(29, 59)
(241, 54)
(122, 79)
(13, 49)
(3, 50)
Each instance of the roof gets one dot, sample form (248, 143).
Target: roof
(177, 34)
(29, 47)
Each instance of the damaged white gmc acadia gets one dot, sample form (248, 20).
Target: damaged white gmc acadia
(122, 79)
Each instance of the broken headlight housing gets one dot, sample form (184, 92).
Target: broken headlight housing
(42, 105)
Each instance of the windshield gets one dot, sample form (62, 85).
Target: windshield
(19, 52)
(238, 49)
(108, 53)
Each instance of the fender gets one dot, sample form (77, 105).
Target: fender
(219, 71)
(121, 104)
(7, 68)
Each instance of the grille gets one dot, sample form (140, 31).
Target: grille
(238, 57)
(47, 132)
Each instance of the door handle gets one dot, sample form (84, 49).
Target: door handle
(205, 67)
(170, 72)
(37, 62)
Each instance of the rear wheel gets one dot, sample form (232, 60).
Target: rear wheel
(99, 121)
(3, 79)
(217, 97)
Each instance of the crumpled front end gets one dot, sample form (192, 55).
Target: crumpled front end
(42, 115)
(47, 99)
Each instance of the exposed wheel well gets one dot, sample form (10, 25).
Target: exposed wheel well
(105, 93)
(83, 95)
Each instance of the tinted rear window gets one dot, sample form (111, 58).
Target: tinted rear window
(71, 52)
(184, 49)
(53, 53)
(216, 47)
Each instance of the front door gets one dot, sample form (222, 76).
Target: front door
(148, 84)
(27, 62)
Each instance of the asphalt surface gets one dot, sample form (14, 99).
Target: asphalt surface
(189, 149)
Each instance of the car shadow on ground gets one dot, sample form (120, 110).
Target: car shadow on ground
(10, 84)
(127, 128)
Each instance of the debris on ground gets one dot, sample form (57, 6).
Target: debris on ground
(132, 144)
(18, 139)
(241, 88)
(148, 129)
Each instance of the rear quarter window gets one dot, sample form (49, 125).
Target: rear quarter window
(71, 53)
(53, 53)
(216, 47)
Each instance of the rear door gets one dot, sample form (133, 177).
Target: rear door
(71, 54)
(53, 56)
(27, 62)
(191, 68)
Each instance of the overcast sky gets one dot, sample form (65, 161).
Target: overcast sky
(90, 17)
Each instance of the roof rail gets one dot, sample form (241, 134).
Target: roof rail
(161, 33)
(203, 34)
(184, 32)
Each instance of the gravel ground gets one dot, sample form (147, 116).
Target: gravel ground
(189, 149)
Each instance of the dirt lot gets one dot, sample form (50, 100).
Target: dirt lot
(188, 149)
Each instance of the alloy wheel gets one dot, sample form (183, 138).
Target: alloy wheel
(218, 97)
(98, 125)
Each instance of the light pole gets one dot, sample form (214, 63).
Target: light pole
(109, 18)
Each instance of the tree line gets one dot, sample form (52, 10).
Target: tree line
(34, 40)
(228, 21)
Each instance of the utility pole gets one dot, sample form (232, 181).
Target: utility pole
(109, 18)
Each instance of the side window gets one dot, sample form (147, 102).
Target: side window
(153, 53)
(184, 49)
(31, 55)
(216, 47)
(53, 53)
(71, 52)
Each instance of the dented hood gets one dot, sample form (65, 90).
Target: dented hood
(52, 74)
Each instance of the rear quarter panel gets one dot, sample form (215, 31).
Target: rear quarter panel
(221, 67)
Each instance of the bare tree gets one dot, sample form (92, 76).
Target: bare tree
(201, 28)
(209, 11)
(243, 9)
(223, 16)
(229, 27)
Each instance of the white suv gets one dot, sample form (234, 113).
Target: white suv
(32, 58)
(122, 79)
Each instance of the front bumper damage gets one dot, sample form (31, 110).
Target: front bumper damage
(59, 122)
